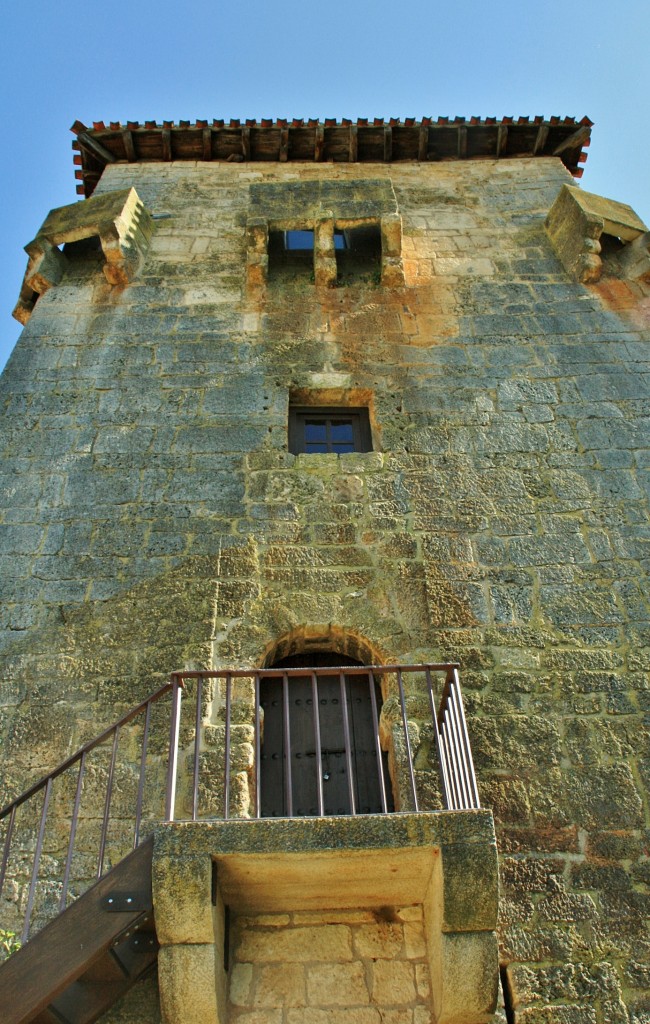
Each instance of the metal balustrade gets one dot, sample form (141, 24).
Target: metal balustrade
(148, 767)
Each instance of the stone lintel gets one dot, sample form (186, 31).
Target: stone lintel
(119, 219)
(575, 224)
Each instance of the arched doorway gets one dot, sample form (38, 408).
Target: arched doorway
(352, 776)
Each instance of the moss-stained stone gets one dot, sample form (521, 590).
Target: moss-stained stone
(154, 520)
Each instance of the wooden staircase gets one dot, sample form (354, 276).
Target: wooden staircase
(83, 961)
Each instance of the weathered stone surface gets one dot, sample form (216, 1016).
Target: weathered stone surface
(153, 519)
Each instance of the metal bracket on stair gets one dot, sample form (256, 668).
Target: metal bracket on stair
(126, 902)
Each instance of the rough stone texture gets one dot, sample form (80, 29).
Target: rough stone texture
(342, 967)
(120, 222)
(153, 519)
(575, 224)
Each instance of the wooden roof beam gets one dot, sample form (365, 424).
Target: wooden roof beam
(283, 155)
(129, 149)
(462, 142)
(246, 142)
(388, 144)
(207, 143)
(540, 140)
(319, 142)
(575, 140)
(95, 148)
(502, 140)
(166, 138)
(423, 142)
(353, 146)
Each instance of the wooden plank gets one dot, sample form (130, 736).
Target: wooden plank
(93, 146)
(129, 148)
(540, 140)
(353, 153)
(462, 142)
(246, 142)
(59, 954)
(388, 144)
(423, 142)
(574, 141)
(166, 144)
(207, 143)
(502, 139)
(319, 142)
(284, 145)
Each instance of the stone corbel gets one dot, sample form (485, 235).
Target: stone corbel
(120, 220)
(575, 224)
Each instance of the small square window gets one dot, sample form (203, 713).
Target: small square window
(316, 430)
(291, 254)
(358, 253)
(299, 241)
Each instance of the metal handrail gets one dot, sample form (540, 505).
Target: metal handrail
(458, 787)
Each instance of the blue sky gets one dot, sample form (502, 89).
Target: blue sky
(142, 60)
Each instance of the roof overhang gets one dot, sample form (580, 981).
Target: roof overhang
(345, 141)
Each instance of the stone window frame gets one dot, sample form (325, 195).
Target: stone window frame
(357, 415)
(325, 269)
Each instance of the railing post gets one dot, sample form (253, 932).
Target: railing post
(407, 740)
(172, 763)
(197, 749)
(347, 741)
(442, 759)
(319, 754)
(73, 831)
(37, 861)
(258, 749)
(226, 774)
(467, 750)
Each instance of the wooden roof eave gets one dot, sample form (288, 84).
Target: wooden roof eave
(363, 142)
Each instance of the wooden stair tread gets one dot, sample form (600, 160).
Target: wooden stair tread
(88, 957)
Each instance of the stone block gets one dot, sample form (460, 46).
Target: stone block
(186, 976)
(393, 982)
(337, 985)
(181, 888)
(297, 945)
(280, 985)
(469, 979)
(120, 220)
(575, 224)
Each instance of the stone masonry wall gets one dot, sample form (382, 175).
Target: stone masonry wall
(337, 967)
(153, 518)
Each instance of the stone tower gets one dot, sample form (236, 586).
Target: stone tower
(297, 395)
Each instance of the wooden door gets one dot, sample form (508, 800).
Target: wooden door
(334, 764)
